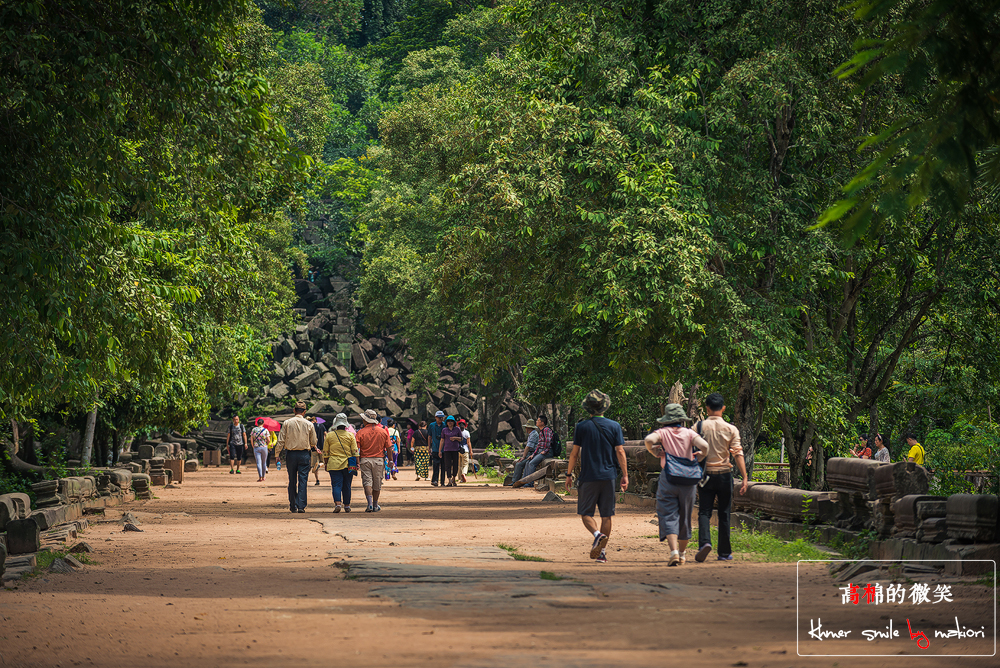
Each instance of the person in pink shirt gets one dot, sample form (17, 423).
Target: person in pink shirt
(678, 448)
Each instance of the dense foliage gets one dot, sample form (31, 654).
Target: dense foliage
(558, 195)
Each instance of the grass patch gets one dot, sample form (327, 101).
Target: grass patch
(516, 553)
(763, 547)
(760, 546)
(988, 579)
(548, 575)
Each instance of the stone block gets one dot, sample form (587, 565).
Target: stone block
(302, 381)
(23, 537)
(359, 359)
(146, 451)
(972, 517)
(852, 475)
(211, 458)
(162, 451)
(325, 407)
(278, 390)
(905, 511)
(190, 465)
(176, 468)
(158, 479)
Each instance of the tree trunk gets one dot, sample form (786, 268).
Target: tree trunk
(799, 437)
(13, 461)
(745, 418)
(88, 438)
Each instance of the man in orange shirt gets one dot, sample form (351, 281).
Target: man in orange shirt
(374, 444)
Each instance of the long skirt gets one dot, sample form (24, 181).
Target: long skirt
(422, 454)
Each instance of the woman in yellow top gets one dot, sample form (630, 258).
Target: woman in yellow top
(338, 445)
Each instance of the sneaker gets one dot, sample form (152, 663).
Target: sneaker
(675, 559)
(369, 509)
(600, 541)
(728, 557)
(317, 483)
(231, 471)
(434, 484)
(377, 509)
(302, 510)
(239, 471)
(337, 508)
(292, 510)
(602, 558)
(347, 509)
(702, 553)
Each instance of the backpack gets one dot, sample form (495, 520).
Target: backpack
(556, 445)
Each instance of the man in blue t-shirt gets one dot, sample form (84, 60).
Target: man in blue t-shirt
(597, 442)
(434, 436)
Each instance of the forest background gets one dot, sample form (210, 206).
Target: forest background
(789, 202)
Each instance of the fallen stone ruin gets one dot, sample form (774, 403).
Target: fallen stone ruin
(328, 363)
(890, 500)
(61, 510)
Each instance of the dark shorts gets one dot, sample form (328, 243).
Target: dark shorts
(235, 450)
(598, 494)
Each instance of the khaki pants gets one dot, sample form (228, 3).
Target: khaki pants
(463, 463)
(372, 470)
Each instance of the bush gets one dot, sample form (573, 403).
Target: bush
(963, 448)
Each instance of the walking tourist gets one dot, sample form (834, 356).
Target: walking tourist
(917, 454)
(260, 439)
(421, 451)
(465, 450)
(451, 439)
(723, 441)
(529, 449)
(297, 439)
(317, 458)
(597, 443)
(434, 432)
(391, 468)
(677, 447)
(339, 449)
(236, 443)
(373, 442)
(881, 451)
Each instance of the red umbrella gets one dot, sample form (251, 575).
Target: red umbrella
(268, 423)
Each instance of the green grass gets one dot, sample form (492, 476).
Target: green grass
(44, 559)
(548, 575)
(763, 547)
(518, 556)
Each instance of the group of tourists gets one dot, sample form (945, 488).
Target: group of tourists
(441, 448)
(915, 453)
(690, 460)
(342, 450)
(693, 460)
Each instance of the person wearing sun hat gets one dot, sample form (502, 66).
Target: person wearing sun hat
(434, 441)
(451, 443)
(465, 450)
(597, 443)
(373, 442)
(338, 446)
(674, 493)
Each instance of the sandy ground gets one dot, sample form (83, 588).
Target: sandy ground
(224, 575)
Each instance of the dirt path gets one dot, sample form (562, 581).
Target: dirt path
(224, 575)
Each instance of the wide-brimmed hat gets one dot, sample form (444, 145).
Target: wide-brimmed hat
(300, 405)
(673, 414)
(340, 420)
(450, 418)
(370, 416)
(596, 402)
(530, 425)
(462, 421)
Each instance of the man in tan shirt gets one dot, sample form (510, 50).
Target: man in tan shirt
(298, 438)
(723, 442)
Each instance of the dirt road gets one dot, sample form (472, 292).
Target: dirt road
(224, 575)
